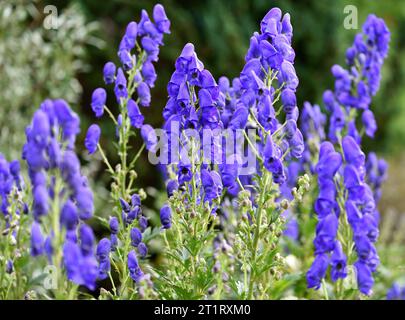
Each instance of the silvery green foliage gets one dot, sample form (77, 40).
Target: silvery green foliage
(36, 63)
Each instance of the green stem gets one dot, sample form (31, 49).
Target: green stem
(111, 115)
(253, 147)
(257, 233)
(110, 169)
(56, 229)
(138, 154)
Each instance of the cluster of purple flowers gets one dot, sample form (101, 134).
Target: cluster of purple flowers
(138, 50)
(328, 250)
(291, 227)
(145, 37)
(189, 84)
(196, 102)
(80, 260)
(396, 292)
(104, 248)
(50, 156)
(376, 174)
(131, 213)
(312, 125)
(353, 91)
(270, 57)
(355, 87)
(361, 213)
(9, 177)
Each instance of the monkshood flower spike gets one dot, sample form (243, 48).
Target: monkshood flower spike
(200, 177)
(61, 195)
(131, 79)
(349, 188)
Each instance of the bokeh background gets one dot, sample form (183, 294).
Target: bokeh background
(36, 63)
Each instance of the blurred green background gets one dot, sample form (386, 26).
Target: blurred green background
(36, 63)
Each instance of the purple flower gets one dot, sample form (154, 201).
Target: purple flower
(54, 153)
(86, 239)
(109, 72)
(98, 100)
(212, 184)
(40, 129)
(317, 271)
(325, 204)
(126, 59)
(136, 237)
(352, 152)
(210, 117)
(15, 168)
(288, 75)
(81, 269)
(125, 205)
(289, 100)
(41, 205)
(103, 249)
(143, 94)
(290, 129)
(143, 223)
(272, 162)
(9, 266)
(353, 132)
(229, 174)
(37, 240)
(48, 246)
(369, 123)
(143, 250)
(114, 241)
(135, 116)
(92, 138)
(338, 262)
(172, 185)
(184, 173)
(363, 246)
(149, 73)
(120, 88)
(151, 48)
(364, 278)
(131, 33)
(326, 232)
(149, 137)
(89, 271)
(72, 257)
(134, 270)
(185, 58)
(69, 217)
(133, 214)
(160, 18)
(114, 225)
(396, 293)
(328, 165)
(166, 217)
(68, 120)
(84, 202)
(239, 119)
(296, 144)
(104, 268)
